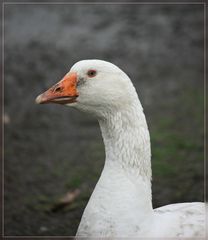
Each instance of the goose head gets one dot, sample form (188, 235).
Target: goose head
(93, 86)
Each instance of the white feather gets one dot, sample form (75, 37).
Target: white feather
(121, 204)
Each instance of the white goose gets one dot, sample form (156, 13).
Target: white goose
(121, 203)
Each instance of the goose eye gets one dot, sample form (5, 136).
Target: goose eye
(91, 73)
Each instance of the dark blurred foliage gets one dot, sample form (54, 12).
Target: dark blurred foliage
(50, 150)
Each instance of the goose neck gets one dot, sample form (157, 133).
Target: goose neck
(126, 139)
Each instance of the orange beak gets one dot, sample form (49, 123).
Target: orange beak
(63, 92)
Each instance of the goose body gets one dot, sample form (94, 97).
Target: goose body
(121, 203)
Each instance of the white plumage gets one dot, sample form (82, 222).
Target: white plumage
(121, 203)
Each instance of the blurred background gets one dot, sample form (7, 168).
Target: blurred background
(53, 151)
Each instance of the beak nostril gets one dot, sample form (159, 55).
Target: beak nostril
(57, 89)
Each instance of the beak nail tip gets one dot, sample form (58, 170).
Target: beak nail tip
(38, 99)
